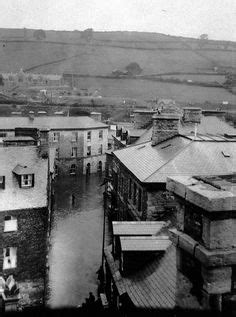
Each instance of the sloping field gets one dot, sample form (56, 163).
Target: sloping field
(143, 89)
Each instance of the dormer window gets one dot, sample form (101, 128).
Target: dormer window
(25, 176)
(27, 180)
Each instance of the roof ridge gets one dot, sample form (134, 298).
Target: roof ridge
(180, 151)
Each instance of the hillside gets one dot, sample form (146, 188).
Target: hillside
(69, 52)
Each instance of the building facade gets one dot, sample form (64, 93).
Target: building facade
(205, 237)
(80, 142)
(25, 198)
(136, 186)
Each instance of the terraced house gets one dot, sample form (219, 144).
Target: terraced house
(80, 142)
(25, 199)
(136, 188)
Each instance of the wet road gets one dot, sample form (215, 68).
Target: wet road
(76, 240)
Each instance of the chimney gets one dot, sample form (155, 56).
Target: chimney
(96, 116)
(165, 126)
(143, 118)
(44, 143)
(191, 114)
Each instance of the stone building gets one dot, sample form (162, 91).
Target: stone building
(80, 142)
(205, 236)
(25, 201)
(136, 175)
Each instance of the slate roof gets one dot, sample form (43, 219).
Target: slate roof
(143, 228)
(13, 159)
(179, 156)
(52, 122)
(159, 285)
(211, 125)
(151, 243)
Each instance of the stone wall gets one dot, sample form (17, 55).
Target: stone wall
(164, 127)
(30, 240)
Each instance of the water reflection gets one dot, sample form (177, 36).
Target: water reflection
(76, 240)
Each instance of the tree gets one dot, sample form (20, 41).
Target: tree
(203, 40)
(39, 34)
(133, 69)
(87, 35)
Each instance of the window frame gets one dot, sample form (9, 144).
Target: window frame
(74, 151)
(100, 135)
(100, 149)
(3, 182)
(14, 224)
(74, 136)
(30, 181)
(56, 136)
(89, 136)
(12, 255)
(73, 169)
(89, 150)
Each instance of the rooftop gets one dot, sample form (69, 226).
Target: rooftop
(179, 156)
(137, 228)
(52, 122)
(212, 193)
(209, 125)
(151, 243)
(12, 161)
(157, 285)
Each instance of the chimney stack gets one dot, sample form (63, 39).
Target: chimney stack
(143, 118)
(191, 114)
(44, 143)
(165, 126)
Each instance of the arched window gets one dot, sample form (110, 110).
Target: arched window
(100, 166)
(72, 169)
(88, 169)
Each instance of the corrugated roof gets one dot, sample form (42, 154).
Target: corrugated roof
(178, 156)
(126, 228)
(53, 122)
(151, 243)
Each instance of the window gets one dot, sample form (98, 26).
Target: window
(134, 194)
(89, 136)
(10, 224)
(100, 135)
(2, 182)
(9, 258)
(139, 199)
(27, 180)
(130, 188)
(100, 149)
(100, 166)
(72, 169)
(89, 150)
(3, 134)
(88, 169)
(74, 136)
(56, 170)
(57, 153)
(74, 152)
(56, 136)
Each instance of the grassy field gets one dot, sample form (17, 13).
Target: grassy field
(115, 50)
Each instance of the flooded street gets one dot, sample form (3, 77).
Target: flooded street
(76, 240)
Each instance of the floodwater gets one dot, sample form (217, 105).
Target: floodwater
(76, 240)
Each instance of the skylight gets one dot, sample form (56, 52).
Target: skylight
(226, 154)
